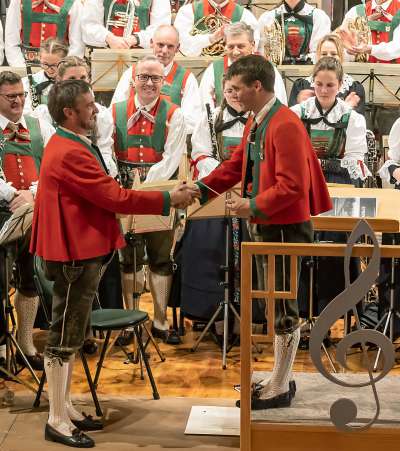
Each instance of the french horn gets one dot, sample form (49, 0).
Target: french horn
(210, 24)
(362, 32)
(274, 42)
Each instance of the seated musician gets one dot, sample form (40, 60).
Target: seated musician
(20, 158)
(351, 91)
(192, 24)
(180, 85)
(123, 24)
(304, 26)
(38, 85)
(390, 171)
(150, 129)
(30, 23)
(239, 41)
(338, 135)
(383, 20)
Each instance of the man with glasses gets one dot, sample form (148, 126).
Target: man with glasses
(239, 41)
(180, 85)
(150, 130)
(20, 157)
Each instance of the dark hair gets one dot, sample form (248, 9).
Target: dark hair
(64, 95)
(8, 77)
(252, 68)
(329, 63)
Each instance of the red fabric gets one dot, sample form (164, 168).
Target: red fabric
(20, 170)
(76, 202)
(378, 37)
(42, 31)
(119, 31)
(142, 127)
(226, 11)
(193, 164)
(291, 186)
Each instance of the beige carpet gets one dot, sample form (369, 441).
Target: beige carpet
(131, 424)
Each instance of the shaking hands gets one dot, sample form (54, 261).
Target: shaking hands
(184, 195)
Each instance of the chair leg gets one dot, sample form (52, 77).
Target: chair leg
(92, 387)
(146, 362)
(153, 341)
(102, 357)
(36, 403)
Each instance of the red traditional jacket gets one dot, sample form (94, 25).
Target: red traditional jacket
(279, 172)
(76, 202)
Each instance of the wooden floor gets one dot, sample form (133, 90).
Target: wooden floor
(184, 373)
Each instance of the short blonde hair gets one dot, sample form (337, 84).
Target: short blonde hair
(335, 39)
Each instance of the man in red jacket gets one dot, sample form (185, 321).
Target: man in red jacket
(76, 232)
(282, 185)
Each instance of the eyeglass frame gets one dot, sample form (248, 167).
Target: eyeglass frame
(13, 97)
(150, 77)
(46, 66)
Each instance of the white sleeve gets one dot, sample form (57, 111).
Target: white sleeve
(47, 130)
(160, 14)
(93, 30)
(28, 99)
(191, 105)
(1, 45)
(7, 191)
(394, 151)
(190, 45)
(123, 87)
(207, 87)
(12, 37)
(76, 44)
(202, 146)
(249, 18)
(42, 112)
(321, 27)
(175, 147)
(296, 109)
(388, 50)
(105, 142)
(266, 19)
(350, 15)
(280, 89)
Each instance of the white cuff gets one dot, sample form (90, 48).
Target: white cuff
(7, 192)
(384, 170)
(206, 166)
(356, 168)
(33, 188)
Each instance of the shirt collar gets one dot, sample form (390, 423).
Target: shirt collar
(265, 110)
(84, 138)
(147, 107)
(4, 122)
(167, 69)
(384, 5)
(215, 5)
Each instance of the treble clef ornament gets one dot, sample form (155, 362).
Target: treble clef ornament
(343, 411)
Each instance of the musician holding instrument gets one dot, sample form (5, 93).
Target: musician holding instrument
(300, 25)
(382, 20)
(180, 85)
(30, 22)
(76, 205)
(239, 41)
(123, 24)
(20, 160)
(201, 25)
(282, 185)
(150, 129)
(38, 84)
(351, 91)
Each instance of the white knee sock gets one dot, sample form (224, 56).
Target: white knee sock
(128, 287)
(57, 376)
(285, 348)
(26, 309)
(72, 412)
(160, 287)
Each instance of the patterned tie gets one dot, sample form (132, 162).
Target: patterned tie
(55, 8)
(136, 115)
(14, 132)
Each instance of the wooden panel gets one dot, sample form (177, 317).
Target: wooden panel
(260, 6)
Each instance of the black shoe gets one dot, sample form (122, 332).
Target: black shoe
(36, 361)
(304, 343)
(173, 338)
(88, 423)
(277, 402)
(89, 347)
(159, 333)
(125, 339)
(77, 440)
(256, 389)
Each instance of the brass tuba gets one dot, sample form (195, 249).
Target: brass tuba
(125, 19)
(362, 32)
(210, 24)
(274, 42)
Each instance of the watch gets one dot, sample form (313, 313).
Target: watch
(137, 39)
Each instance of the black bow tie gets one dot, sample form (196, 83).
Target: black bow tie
(40, 87)
(295, 12)
(323, 117)
(237, 117)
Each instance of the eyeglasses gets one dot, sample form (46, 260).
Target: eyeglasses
(144, 78)
(49, 66)
(13, 97)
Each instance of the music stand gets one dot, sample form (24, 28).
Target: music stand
(14, 228)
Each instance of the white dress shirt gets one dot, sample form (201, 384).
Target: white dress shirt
(174, 148)
(201, 140)
(193, 45)
(7, 191)
(38, 77)
(190, 105)
(104, 129)
(321, 27)
(13, 32)
(356, 141)
(94, 31)
(207, 87)
(394, 152)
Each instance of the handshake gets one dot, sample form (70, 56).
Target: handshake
(184, 195)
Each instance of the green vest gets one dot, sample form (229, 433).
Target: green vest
(302, 46)
(199, 13)
(29, 17)
(219, 70)
(142, 12)
(378, 25)
(229, 141)
(174, 90)
(33, 149)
